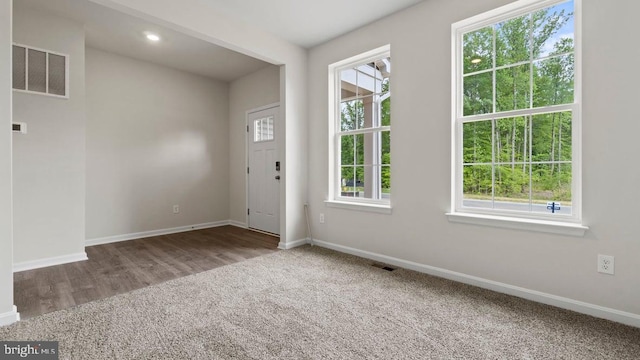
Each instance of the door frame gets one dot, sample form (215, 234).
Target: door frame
(246, 158)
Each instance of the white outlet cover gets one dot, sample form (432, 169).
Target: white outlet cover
(606, 264)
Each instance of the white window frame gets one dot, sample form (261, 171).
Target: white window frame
(568, 225)
(334, 198)
(47, 52)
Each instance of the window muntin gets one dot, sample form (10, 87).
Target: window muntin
(516, 115)
(39, 71)
(361, 129)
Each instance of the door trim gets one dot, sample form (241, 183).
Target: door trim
(246, 152)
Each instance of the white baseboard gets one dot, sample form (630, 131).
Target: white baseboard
(56, 260)
(292, 244)
(238, 224)
(10, 317)
(623, 317)
(144, 234)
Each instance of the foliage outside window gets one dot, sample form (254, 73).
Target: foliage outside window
(516, 118)
(361, 129)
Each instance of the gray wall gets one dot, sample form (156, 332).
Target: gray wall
(249, 92)
(49, 161)
(6, 241)
(418, 230)
(156, 137)
(201, 20)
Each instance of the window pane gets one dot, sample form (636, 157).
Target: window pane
(478, 94)
(553, 79)
(512, 88)
(347, 149)
(366, 76)
(553, 30)
(347, 181)
(362, 144)
(361, 179)
(476, 140)
(370, 115)
(37, 71)
(352, 179)
(270, 129)
(513, 41)
(551, 183)
(551, 137)
(478, 50)
(57, 75)
(477, 186)
(385, 112)
(385, 147)
(19, 68)
(351, 115)
(512, 187)
(385, 86)
(512, 140)
(386, 181)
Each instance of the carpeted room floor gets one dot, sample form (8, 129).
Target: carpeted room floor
(314, 303)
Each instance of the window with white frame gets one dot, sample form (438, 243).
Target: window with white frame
(263, 129)
(40, 71)
(361, 128)
(516, 116)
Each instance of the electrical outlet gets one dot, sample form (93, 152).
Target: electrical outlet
(606, 264)
(321, 218)
(176, 209)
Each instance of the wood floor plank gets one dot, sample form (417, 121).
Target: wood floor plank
(125, 266)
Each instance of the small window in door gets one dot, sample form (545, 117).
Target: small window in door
(263, 129)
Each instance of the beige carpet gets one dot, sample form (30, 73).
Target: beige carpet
(312, 303)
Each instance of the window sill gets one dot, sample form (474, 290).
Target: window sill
(375, 208)
(553, 227)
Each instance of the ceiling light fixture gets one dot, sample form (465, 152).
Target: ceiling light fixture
(475, 61)
(153, 37)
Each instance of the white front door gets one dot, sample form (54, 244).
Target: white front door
(264, 171)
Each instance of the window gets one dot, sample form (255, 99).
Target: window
(39, 71)
(516, 117)
(263, 129)
(360, 129)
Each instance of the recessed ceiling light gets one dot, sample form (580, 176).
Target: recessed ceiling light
(475, 61)
(153, 37)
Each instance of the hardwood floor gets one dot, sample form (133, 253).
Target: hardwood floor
(125, 266)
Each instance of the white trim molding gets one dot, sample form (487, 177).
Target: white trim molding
(51, 261)
(144, 234)
(239, 224)
(10, 317)
(368, 207)
(553, 227)
(619, 316)
(293, 244)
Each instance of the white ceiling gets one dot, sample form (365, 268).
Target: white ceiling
(302, 22)
(116, 32)
(308, 22)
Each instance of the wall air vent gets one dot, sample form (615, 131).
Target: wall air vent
(383, 266)
(38, 71)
